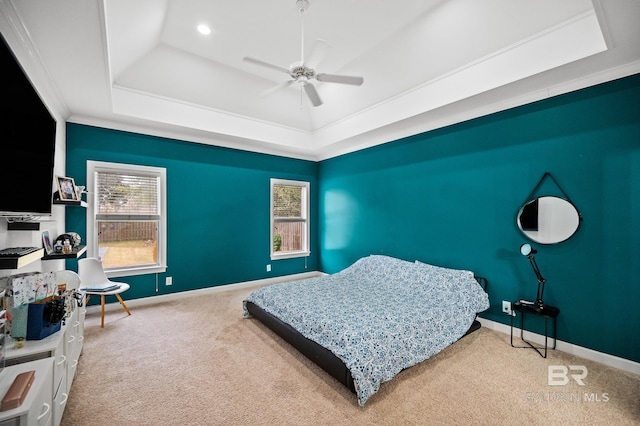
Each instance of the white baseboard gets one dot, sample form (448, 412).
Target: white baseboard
(590, 354)
(208, 290)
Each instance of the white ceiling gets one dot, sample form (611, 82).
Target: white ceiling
(142, 66)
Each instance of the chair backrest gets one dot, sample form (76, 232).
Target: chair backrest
(70, 278)
(91, 272)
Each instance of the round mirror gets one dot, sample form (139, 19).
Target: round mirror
(548, 220)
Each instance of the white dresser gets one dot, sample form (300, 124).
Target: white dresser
(37, 408)
(56, 358)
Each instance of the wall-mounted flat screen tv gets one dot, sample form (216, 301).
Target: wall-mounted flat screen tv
(27, 141)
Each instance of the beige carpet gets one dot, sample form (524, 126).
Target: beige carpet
(196, 361)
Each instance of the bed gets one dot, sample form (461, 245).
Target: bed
(379, 316)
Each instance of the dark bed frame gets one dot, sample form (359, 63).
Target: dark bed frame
(320, 355)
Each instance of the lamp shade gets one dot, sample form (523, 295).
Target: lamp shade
(527, 250)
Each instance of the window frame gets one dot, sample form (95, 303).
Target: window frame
(94, 167)
(306, 209)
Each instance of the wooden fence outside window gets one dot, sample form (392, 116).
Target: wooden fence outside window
(290, 235)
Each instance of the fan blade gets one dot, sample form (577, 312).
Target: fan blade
(342, 79)
(276, 88)
(318, 50)
(312, 94)
(266, 64)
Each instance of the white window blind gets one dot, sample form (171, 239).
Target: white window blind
(127, 195)
(288, 201)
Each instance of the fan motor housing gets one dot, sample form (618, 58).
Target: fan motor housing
(302, 4)
(302, 72)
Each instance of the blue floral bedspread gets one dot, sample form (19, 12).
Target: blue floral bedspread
(379, 315)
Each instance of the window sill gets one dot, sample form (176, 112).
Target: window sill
(127, 272)
(290, 255)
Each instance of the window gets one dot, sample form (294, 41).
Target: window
(289, 219)
(126, 220)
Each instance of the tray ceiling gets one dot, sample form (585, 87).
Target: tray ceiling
(143, 66)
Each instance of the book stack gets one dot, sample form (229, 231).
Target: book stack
(101, 288)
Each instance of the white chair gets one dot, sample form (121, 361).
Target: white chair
(93, 280)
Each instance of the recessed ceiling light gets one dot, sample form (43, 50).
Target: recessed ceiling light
(204, 29)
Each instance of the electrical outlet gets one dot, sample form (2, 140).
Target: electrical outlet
(506, 307)
(268, 268)
(169, 281)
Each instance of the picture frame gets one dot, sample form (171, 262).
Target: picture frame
(67, 190)
(46, 242)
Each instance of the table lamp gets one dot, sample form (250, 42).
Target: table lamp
(527, 250)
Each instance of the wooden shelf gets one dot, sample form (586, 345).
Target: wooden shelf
(56, 200)
(23, 226)
(75, 253)
(17, 262)
(70, 203)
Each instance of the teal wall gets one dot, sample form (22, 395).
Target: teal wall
(447, 197)
(217, 207)
(450, 197)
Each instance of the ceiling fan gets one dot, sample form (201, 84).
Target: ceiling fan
(305, 72)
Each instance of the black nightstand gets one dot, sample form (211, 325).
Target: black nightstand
(546, 311)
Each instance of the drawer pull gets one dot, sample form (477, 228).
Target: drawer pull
(64, 401)
(47, 408)
(63, 358)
